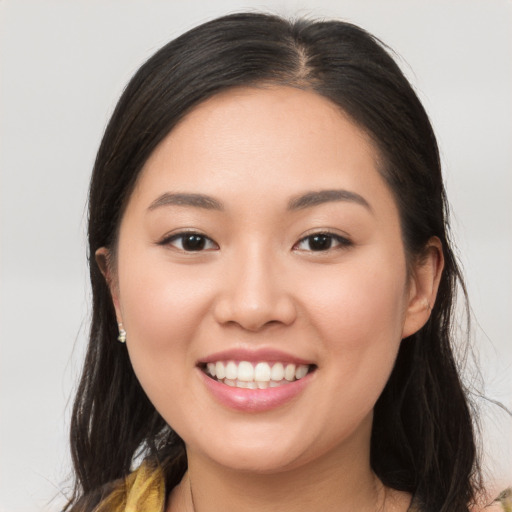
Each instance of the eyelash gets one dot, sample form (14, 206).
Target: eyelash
(325, 237)
(183, 235)
(342, 242)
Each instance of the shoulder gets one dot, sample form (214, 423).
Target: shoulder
(495, 507)
(503, 503)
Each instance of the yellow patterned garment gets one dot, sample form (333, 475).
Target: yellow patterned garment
(141, 491)
(144, 491)
(505, 499)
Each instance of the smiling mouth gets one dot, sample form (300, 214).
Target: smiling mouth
(256, 375)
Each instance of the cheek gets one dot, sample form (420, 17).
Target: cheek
(365, 297)
(162, 308)
(158, 300)
(358, 317)
(359, 313)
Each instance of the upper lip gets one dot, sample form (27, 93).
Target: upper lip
(255, 355)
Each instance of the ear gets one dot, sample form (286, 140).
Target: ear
(103, 260)
(423, 286)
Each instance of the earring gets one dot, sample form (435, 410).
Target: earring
(122, 333)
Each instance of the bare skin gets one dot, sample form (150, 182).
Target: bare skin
(268, 493)
(261, 225)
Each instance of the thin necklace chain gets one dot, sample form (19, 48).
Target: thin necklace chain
(380, 509)
(191, 494)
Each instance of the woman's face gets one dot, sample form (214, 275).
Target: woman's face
(261, 280)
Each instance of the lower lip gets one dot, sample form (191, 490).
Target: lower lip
(255, 400)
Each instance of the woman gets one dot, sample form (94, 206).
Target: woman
(268, 241)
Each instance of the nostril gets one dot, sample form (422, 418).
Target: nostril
(255, 315)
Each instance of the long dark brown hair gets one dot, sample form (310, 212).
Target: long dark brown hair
(423, 436)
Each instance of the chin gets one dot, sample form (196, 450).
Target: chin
(263, 456)
(258, 462)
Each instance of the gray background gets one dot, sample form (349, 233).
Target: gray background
(64, 64)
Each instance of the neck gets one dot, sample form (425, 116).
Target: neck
(294, 490)
(341, 480)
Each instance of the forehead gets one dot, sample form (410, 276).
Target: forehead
(260, 139)
(252, 120)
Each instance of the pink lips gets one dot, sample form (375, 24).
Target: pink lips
(253, 400)
(268, 355)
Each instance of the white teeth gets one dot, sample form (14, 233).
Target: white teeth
(289, 372)
(301, 371)
(220, 371)
(245, 371)
(277, 372)
(261, 375)
(231, 370)
(211, 369)
(262, 372)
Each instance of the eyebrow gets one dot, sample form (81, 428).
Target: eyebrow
(183, 199)
(307, 200)
(310, 199)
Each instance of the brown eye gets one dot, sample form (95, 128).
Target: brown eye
(191, 242)
(322, 242)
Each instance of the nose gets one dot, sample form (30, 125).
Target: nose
(255, 293)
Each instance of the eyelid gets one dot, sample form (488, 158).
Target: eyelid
(343, 240)
(176, 235)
